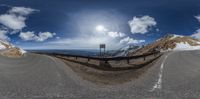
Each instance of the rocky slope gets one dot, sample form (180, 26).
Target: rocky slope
(170, 42)
(9, 50)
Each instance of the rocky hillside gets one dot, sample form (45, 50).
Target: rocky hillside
(9, 50)
(170, 42)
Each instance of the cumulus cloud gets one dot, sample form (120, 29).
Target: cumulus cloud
(21, 11)
(3, 35)
(141, 24)
(196, 34)
(197, 17)
(15, 18)
(31, 36)
(12, 21)
(128, 40)
(116, 34)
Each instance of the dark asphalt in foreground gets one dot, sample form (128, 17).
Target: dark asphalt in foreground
(174, 75)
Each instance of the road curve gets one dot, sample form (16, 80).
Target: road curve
(34, 76)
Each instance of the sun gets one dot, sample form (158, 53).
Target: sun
(100, 28)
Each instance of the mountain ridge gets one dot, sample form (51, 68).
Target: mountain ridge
(170, 42)
(9, 50)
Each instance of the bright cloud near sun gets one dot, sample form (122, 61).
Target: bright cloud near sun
(116, 34)
(112, 39)
(129, 40)
(100, 28)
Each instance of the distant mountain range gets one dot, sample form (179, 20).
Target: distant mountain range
(169, 42)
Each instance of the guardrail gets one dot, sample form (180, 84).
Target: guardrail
(105, 59)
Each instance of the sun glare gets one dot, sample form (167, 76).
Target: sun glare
(100, 28)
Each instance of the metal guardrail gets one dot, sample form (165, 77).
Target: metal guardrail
(106, 59)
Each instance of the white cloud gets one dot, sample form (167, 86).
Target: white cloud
(21, 11)
(116, 34)
(141, 24)
(27, 36)
(12, 21)
(31, 36)
(129, 40)
(3, 35)
(196, 34)
(197, 17)
(57, 37)
(16, 17)
(42, 36)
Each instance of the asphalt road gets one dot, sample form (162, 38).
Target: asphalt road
(176, 75)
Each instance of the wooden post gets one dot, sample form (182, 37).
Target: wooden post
(88, 59)
(144, 58)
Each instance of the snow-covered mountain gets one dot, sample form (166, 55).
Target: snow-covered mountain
(8, 49)
(171, 42)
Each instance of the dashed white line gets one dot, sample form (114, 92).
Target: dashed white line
(158, 84)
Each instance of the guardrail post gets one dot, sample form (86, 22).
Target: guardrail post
(106, 61)
(155, 54)
(128, 60)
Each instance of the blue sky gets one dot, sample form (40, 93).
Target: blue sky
(84, 24)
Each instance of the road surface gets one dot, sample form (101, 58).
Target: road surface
(34, 76)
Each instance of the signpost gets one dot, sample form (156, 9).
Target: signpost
(102, 53)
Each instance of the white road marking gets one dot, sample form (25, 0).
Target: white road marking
(158, 84)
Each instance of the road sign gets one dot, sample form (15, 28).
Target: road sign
(102, 45)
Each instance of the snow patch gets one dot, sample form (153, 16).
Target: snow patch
(2, 47)
(6, 45)
(22, 51)
(175, 36)
(182, 46)
(185, 46)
